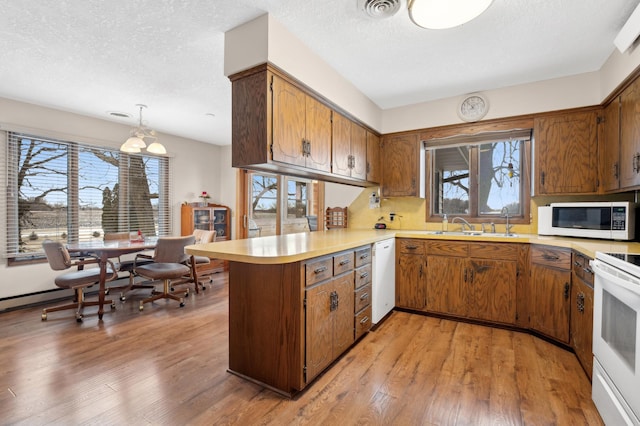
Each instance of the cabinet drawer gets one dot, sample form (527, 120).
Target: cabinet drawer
(410, 246)
(318, 270)
(363, 298)
(582, 268)
(448, 248)
(493, 251)
(551, 256)
(363, 321)
(362, 276)
(342, 262)
(363, 256)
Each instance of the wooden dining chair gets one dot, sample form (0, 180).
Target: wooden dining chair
(127, 266)
(169, 263)
(77, 280)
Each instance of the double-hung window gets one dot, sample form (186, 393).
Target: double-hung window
(72, 192)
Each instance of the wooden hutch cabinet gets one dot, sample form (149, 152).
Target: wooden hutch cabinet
(209, 217)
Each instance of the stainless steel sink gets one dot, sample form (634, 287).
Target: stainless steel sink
(473, 234)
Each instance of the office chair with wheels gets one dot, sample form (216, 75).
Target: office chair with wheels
(169, 263)
(60, 260)
(127, 266)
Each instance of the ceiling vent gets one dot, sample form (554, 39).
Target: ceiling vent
(379, 9)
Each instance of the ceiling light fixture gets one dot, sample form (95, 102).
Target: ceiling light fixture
(136, 142)
(442, 14)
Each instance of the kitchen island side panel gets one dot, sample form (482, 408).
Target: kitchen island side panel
(266, 324)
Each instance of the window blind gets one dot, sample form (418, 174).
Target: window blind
(73, 192)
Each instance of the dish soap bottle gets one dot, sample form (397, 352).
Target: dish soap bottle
(445, 223)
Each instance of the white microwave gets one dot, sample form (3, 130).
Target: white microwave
(611, 220)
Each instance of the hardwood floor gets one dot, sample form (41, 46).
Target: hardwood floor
(167, 365)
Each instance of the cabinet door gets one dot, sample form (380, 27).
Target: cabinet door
(319, 329)
(318, 135)
(494, 290)
(582, 323)
(550, 301)
(566, 154)
(373, 158)
(341, 144)
(288, 121)
(448, 285)
(410, 281)
(342, 316)
(610, 161)
(630, 136)
(400, 166)
(358, 152)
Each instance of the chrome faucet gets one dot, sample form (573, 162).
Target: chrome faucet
(464, 222)
(505, 213)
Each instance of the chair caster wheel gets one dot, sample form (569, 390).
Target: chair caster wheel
(44, 317)
(113, 306)
(122, 298)
(78, 318)
(141, 307)
(182, 304)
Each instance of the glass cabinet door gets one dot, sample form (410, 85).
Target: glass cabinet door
(220, 224)
(202, 218)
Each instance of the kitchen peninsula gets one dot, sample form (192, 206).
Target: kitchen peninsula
(278, 336)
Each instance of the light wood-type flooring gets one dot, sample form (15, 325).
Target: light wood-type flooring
(167, 366)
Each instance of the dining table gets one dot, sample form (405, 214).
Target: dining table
(105, 250)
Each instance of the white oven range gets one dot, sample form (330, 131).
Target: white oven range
(616, 338)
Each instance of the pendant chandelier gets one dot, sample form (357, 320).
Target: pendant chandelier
(136, 142)
(442, 14)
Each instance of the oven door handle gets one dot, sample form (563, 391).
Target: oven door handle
(621, 278)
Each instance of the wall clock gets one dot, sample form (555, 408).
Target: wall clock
(473, 107)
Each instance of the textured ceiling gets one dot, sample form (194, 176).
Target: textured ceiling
(94, 56)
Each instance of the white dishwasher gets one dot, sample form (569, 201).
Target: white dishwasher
(383, 284)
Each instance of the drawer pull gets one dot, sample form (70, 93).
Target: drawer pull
(320, 270)
(345, 262)
(364, 296)
(364, 275)
(550, 257)
(411, 247)
(364, 256)
(364, 320)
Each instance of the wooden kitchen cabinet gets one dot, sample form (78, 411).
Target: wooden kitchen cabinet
(349, 148)
(550, 291)
(472, 280)
(566, 142)
(630, 136)
(363, 294)
(411, 274)
(582, 311)
(401, 166)
(610, 147)
(373, 158)
(301, 127)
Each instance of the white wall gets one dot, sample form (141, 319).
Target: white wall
(195, 167)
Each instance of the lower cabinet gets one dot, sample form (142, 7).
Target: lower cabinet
(582, 312)
(411, 274)
(472, 280)
(363, 294)
(551, 291)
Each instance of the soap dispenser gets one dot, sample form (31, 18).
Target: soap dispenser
(445, 223)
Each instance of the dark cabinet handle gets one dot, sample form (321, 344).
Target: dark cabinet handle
(345, 262)
(465, 275)
(364, 275)
(566, 290)
(364, 256)
(364, 296)
(320, 269)
(550, 257)
(615, 171)
(411, 247)
(334, 301)
(580, 302)
(542, 178)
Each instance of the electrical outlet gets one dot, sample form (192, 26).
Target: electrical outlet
(392, 216)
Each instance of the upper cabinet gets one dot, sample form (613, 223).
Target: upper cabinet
(349, 149)
(279, 126)
(401, 166)
(301, 127)
(373, 157)
(630, 136)
(566, 153)
(610, 147)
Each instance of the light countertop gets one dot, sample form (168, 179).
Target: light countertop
(306, 245)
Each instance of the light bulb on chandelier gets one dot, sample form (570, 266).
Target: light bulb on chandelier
(136, 142)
